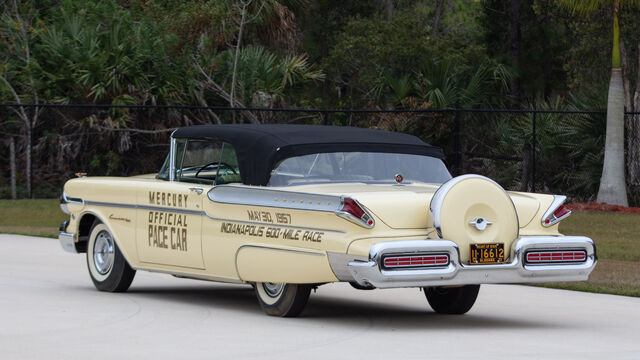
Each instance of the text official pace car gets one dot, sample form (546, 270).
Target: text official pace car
(287, 208)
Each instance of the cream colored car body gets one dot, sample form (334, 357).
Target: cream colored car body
(296, 204)
(176, 228)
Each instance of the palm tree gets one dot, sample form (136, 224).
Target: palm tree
(613, 189)
(275, 10)
(263, 77)
(443, 85)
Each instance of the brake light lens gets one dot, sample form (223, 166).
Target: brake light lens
(556, 256)
(556, 212)
(405, 261)
(349, 206)
(561, 211)
(354, 212)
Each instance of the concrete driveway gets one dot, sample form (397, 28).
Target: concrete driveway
(49, 309)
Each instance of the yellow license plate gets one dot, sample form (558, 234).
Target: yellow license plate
(486, 253)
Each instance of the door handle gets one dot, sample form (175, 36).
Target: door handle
(196, 190)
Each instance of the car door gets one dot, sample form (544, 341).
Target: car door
(170, 214)
(169, 225)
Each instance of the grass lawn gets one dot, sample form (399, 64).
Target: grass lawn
(616, 237)
(618, 249)
(40, 217)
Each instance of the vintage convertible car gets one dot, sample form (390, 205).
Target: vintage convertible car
(287, 208)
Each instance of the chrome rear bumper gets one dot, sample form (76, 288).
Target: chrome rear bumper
(371, 273)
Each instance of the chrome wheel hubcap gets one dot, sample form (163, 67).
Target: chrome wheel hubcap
(273, 289)
(103, 252)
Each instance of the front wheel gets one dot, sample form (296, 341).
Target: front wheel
(452, 300)
(108, 268)
(279, 299)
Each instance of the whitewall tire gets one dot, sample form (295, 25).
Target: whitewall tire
(108, 268)
(285, 300)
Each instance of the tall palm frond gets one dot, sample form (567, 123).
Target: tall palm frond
(261, 70)
(442, 84)
(401, 88)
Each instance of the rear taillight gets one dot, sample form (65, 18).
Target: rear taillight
(414, 261)
(349, 206)
(556, 211)
(555, 256)
(351, 210)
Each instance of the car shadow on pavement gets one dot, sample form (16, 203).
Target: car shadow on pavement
(390, 316)
(338, 311)
(240, 297)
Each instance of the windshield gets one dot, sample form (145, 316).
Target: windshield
(367, 167)
(203, 162)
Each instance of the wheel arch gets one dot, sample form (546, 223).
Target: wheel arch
(85, 224)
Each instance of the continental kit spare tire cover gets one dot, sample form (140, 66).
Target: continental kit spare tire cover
(472, 209)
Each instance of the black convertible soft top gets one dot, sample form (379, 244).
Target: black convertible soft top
(260, 147)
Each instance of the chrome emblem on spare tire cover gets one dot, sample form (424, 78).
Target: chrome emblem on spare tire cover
(480, 223)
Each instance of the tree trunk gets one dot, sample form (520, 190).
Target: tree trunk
(235, 58)
(437, 17)
(633, 135)
(613, 189)
(12, 161)
(27, 151)
(389, 8)
(547, 61)
(514, 50)
(628, 120)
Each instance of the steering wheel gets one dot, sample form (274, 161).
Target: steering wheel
(216, 163)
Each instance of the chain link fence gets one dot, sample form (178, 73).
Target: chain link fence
(530, 150)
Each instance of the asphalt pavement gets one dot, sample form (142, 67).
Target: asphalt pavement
(49, 309)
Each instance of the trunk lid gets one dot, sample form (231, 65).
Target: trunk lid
(407, 206)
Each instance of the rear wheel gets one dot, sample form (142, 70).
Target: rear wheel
(279, 299)
(452, 300)
(108, 268)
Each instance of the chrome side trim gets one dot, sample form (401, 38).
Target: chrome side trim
(557, 201)
(279, 249)
(271, 224)
(371, 273)
(145, 207)
(259, 196)
(71, 200)
(108, 204)
(435, 207)
(198, 212)
(193, 276)
(67, 242)
(264, 197)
